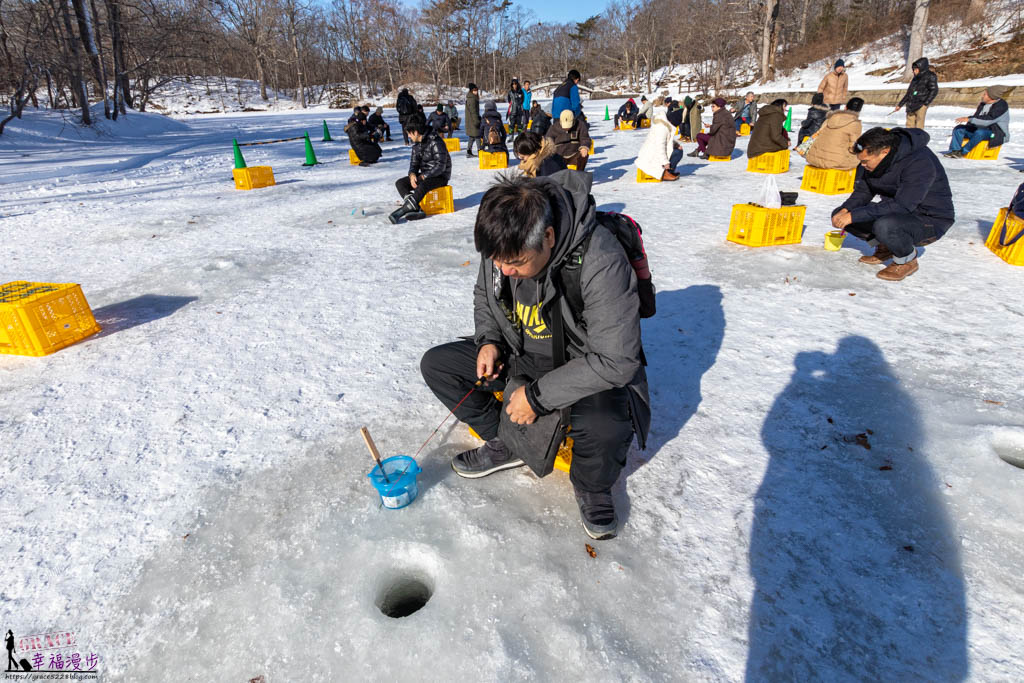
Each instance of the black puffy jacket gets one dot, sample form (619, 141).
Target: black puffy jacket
(362, 143)
(922, 89)
(540, 121)
(406, 104)
(430, 158)
(914, 182)
(815, 117)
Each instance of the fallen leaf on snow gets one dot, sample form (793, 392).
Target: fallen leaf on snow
(995, 403)
(590, 550)
(466, 263)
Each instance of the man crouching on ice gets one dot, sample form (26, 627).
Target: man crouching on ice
(531, 233)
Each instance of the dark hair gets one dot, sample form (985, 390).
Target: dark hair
(818, 98)
(574, 75)
(418, 127)
(471, 86)
(528, 143)
(875, 140)
(782, 103)
(855, 104)
(513, 217)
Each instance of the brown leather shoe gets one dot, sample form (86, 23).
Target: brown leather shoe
(894, 272)
(669, 175)
(881, 255)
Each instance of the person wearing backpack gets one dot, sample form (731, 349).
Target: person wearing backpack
(406, 106)
(492, 130)
(557, 314)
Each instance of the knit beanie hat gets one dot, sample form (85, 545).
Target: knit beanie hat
(839, 63)
(995, 91)
(566, 118)
(718, 102)
(688, 100)
(440, 107)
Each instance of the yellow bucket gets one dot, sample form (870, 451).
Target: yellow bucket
(834, 240)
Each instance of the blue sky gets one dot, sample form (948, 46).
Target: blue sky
(563, 10)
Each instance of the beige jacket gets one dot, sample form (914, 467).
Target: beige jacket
(835, 87)
(831, 147)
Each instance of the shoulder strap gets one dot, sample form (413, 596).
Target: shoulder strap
(571, 275)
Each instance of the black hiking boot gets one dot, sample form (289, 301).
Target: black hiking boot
(694, 153)
(479, 462)
(409, 210)
(597, 511)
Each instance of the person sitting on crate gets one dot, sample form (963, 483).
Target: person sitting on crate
(769, 135)
(572, 139)
(540, 120)
(916, 206)
(644, 113)
(721, 139)
(557, 308)
(453, 117)
(991, 121)
(378, 125)
(627, 112)
(831, 146)
(362, 142)
(430, 167)
(492, 130)
(537, 155)
(439, 121)
(661, 152)
(746, 111)
(815, 117)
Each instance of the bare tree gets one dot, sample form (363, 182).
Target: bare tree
(915, 48)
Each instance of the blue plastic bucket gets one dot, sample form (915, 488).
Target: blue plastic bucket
(401, 489)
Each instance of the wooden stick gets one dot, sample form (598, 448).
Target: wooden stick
(373, 451)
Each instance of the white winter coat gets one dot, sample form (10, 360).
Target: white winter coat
(658, 146)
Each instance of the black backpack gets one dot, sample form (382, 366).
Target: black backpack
(630, 236)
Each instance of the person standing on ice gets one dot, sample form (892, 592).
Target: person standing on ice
(516, 115)
(473, 118)
(923, 88)
(835, 87)
(916, 206)
(406, 107)
(567, 96)
(528, 230)
(11, 664)
(430, 167)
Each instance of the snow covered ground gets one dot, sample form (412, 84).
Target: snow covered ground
(186, 490)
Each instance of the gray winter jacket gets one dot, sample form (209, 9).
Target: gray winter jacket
(608, 353)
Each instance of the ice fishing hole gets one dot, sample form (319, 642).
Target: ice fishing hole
(403, 596)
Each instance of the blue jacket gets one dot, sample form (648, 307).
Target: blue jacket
(914, 182)
(567, 96)
(527, 100)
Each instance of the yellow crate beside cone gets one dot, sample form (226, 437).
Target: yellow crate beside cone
(253, 177)
(453, 144)
(757, 226)
(38, 318)
(772, 162)
(642, 177)
(1006, 238)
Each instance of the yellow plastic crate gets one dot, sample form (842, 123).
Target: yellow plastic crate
(571, 167)
(646, 123)
(744, 130)
(38, 318)
(772, 162)
(253, 177)
(438, 201)
(493, 160)
(719, 158)
(981, 152)
(828, 180)
(591, 146)
(756, 226)
(563, 459)
(1006, 239)
(453, 144)
(642, 177)
(626, 125)
(352, 158)
(507, 129)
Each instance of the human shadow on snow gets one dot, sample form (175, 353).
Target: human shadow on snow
(143, 309)
(855, 561)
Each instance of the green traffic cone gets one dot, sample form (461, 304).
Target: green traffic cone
(606, 117)
(239, 161)
(789, 121)
(310, 154)
(327, 133)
